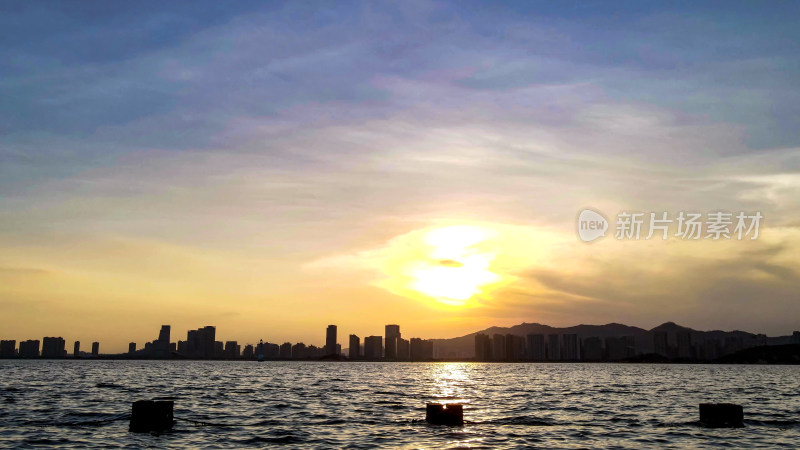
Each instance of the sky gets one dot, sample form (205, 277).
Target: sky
(274, 167)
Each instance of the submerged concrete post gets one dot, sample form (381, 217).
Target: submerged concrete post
(448, 414)
(722, 415)
(151, 415)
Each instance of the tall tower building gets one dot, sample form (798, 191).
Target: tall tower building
(372, 347)
(553, 347)
(536, 347)
(570, 349)
(392, 336)
(95, 348)
(163, 335)
(53, 347)
(483, 347)
(76, 349)
(8, 349)
(330, 340)
(355, 346)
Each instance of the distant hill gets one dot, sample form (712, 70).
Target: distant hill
(464, 346)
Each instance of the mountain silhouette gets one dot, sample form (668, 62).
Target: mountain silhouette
(464, 346)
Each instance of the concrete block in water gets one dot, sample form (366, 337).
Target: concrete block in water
(726, 415)
(448, 414)
(151, 415)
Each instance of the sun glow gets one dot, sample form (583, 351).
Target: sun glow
(455, 267)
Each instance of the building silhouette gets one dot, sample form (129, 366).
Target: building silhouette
(483, 347)
(286, 350)
(392, 335)
(232, 349)
(592, 349)
(200, 343)
(684, 340)
(53, 347)
(299, 351)
(131, 348)
(373, 347)
(661, 343)
(515, 347)
(536, 348)
(95, 348)
(8, 349)
(29, 348)
(355, 347)
(76, 349)
(403, 349)
(421, 349)
(248, 352)
(616, 348)
(498, 347)
(553, 347)
(161, 347)
(330, 341)
(569, 350)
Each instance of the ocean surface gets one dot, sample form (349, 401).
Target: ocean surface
(330, 404)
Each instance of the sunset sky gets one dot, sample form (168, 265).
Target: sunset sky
(272, 168)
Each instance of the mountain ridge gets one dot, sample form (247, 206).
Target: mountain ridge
(464, 346)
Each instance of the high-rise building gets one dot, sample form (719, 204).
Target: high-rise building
(630, 346)
(373, 346)
(483, 347)
(286, 350)
(132, 348)
(95, 348)
(53, 347)
(299, 351)
(355, 347)
(8, 348)
(163, 335)
(661, 343)
(732, 344)
(76, 349)
(535, 347)
(29, 348)
(274, 350)
(592, 349)
(403, 349)
(415, 350)
(200, 343)
(248, 352)
(569, 350)
(553, 347)
(231, 349)
(330, 341)
(392, 335)
(685, 350)
(616, 348)
(498, 347)
(710, 349)
(427, 350)
(514, 347)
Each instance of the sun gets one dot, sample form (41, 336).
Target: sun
(454, 267)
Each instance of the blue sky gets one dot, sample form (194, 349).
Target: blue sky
(294, 131)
